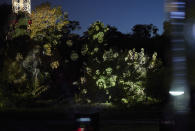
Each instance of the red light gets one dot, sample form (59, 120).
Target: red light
(29, 22)
(80, 129)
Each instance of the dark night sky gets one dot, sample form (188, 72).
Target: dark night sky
(123, 14)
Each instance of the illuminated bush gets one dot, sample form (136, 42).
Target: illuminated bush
(113, 76)
(22, 78)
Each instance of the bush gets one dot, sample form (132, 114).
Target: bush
(112, 76)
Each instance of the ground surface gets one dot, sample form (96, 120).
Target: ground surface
(108, 121)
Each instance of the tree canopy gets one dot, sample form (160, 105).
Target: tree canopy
(46, 19)
(43, 59)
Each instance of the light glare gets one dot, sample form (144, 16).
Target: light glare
(83, 119)
(176, 93)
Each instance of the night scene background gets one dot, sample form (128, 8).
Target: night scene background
(97, 65)
(123, 15)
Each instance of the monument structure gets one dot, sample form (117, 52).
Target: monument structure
(21, 5)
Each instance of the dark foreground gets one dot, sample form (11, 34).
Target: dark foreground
(132, 121)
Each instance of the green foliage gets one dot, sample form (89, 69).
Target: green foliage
(95, 35)
(36, 55)
(19, 25)
(113, 76)
(22, 78)
(47, 23)
(43, 57)
(21, 28)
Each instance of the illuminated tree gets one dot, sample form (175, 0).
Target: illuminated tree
(21, 75)
(47, 20)
(31, 53)
(112, 76)
(51, 27)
